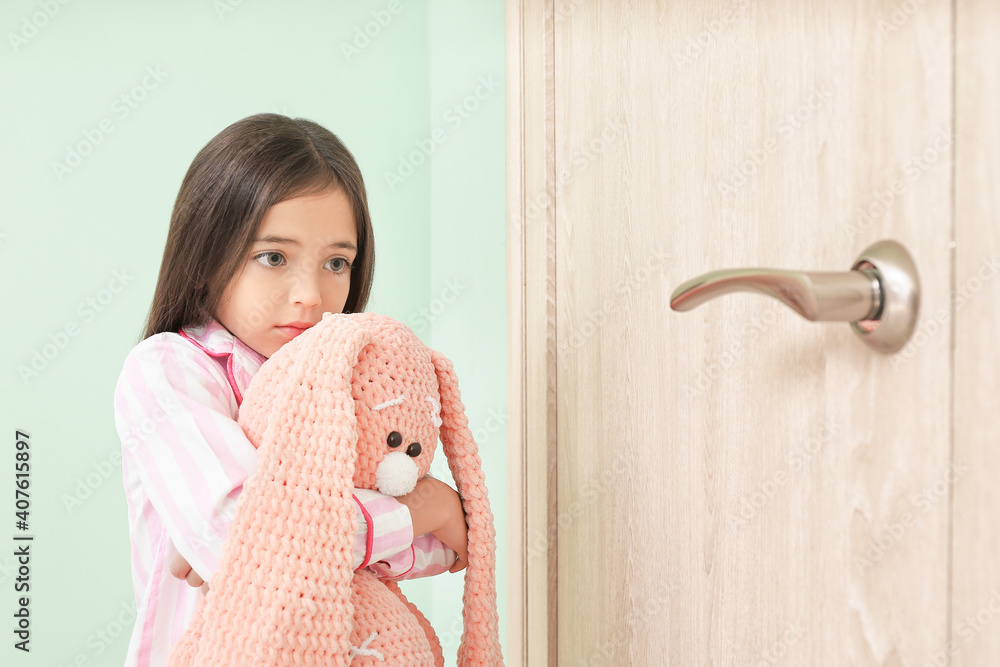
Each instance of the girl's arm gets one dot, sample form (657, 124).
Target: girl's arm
(436, 508)
(442, 535)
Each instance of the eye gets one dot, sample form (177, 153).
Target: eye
(271, 259)
(339, 265)
(394, 439)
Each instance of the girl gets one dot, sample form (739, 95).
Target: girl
(270, 230)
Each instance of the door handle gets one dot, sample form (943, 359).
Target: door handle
(879, 296)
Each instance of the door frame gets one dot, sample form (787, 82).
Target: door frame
(531, 328)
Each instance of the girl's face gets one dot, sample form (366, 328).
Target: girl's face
(299, 267)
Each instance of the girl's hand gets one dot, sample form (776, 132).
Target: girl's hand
(180, 568)
(436, 508)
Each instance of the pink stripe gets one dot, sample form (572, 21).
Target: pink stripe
(390, 525)
(393, 542)
(413, 562)
(123, 410)
(439, 557)
(180, 622)
(148, 524)
(142, 526)
(133, 515)
(146, 642)
(384, 505)
(132, 512)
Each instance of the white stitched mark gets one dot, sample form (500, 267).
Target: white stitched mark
(364, 650)
(389, 403)
(435, 411)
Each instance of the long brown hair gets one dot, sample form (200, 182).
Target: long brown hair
(250, 166)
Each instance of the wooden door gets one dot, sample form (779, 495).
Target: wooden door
(736, 485)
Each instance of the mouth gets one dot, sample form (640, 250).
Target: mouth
(293, 329)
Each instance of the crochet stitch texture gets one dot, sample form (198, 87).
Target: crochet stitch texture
(320, 412)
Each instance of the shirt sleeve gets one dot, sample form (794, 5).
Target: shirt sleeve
(406, 557)
(175, 413)
(426, 557)
(392, 553)
(390, 529)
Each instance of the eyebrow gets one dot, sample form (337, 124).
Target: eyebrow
(389, 403)
(347, 245)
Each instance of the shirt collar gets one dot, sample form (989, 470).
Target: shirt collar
(216, 340)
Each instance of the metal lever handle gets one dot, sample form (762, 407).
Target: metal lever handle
(847, 296)
(879, 296)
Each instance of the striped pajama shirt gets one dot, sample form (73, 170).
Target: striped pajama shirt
(184, 461)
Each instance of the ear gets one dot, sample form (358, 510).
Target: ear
(312, 372)
(480, 637)
(300, 414)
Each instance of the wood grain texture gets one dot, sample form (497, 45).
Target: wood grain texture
(531, 317)
(976, 309)
(517, 538)
(737, 485)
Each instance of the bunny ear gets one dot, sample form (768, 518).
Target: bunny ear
(480, 637)
(300, 414)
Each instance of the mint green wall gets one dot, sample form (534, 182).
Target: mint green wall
(467, 307)
(81, 247)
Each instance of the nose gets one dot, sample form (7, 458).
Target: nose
(413, 450)
(304, 291)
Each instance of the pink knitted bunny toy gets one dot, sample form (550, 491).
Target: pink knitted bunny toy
(339, 407)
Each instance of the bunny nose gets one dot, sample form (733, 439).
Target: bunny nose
(396, 475)
(413, 450)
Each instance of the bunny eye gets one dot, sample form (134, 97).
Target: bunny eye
(394, 439)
